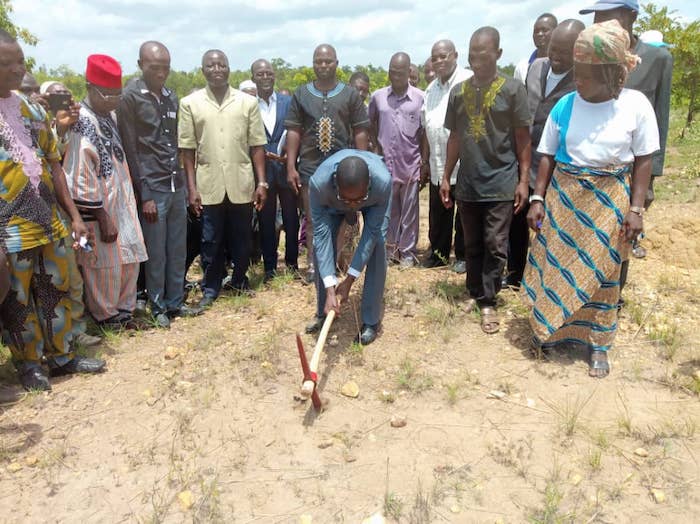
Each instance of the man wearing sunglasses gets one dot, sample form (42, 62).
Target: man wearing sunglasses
(346, 182)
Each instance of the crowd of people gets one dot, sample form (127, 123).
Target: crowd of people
(106, 202)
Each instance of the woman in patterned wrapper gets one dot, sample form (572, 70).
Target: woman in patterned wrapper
(36, 313)
(594, 140)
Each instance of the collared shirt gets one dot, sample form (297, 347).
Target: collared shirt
(28, 214)
(148, 127)
(268, 112)
(222, 135)
(399, 130)
(97, 175)
(433, 119)
(327, 120)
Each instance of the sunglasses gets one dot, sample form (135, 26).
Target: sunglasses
(108, 98)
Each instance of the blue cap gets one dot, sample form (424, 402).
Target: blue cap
(607, 5)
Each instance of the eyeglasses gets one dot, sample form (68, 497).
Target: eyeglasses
(351, 201)
(108, 98)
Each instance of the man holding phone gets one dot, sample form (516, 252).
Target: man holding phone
(147, 117)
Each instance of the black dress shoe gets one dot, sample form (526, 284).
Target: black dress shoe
(34, 379)
(315, 325)
(186, 312)
(434, 262)
(79, 365)
(367, 335)
(269, 275)
(206, 302)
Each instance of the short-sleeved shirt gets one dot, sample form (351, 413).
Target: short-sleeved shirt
(600, 134)
(28, 216)
(327, 120)
(398, 121)
(222, 135)
(488, 169)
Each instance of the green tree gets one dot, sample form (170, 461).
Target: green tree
(684, 38)
(20, 33)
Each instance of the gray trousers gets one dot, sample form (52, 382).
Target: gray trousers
(375, 278)
(166, 242)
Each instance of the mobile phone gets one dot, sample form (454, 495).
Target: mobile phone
(59, 101)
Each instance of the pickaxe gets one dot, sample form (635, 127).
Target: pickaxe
(310, 369)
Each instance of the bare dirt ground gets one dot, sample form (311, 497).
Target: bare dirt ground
(200, 424)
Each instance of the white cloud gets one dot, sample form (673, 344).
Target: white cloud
(363, 31)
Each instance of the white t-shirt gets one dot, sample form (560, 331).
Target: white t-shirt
(603, 134)
(553, 80)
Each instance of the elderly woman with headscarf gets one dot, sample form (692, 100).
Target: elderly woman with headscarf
(597, 146)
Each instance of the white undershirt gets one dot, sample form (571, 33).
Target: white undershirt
(553, 80)
(268, 112)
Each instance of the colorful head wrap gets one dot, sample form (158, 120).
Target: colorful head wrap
(605, 43)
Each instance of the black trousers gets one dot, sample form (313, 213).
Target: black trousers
(486, 226)
(441, 223)
(230, 225)
(518, 245)
(267, 217)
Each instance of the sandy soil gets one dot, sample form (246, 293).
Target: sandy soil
(200, 423)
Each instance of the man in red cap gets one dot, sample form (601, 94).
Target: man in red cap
(99, 181)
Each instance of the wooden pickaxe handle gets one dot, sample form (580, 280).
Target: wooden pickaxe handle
(309, 386)
(323, 335)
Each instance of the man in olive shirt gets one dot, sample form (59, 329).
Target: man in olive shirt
(224, 127)
(489, 123)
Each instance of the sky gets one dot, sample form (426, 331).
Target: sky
(362, 31)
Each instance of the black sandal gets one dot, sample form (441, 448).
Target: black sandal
(598, 361)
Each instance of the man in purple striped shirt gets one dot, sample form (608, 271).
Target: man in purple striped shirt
(394, 113)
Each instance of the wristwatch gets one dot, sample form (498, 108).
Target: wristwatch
(637, 210)
(264, 184)
(536, 198)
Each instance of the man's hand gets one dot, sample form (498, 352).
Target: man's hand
(535, 216)
(195, 202)
(632, 226)
(342, 290)
(80, 230)
(294, 180)
(424, 175)
(150, 211)
(65, 119)
(260, 197)
(332, 303)
(521, 194)
(445, 194)
(108, 231)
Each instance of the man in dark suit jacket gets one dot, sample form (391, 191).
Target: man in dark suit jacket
(548, 79)
(273, 109)
(346, 182)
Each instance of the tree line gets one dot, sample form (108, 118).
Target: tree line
(683, 36)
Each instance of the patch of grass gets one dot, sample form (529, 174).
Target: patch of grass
(635, 311)
(281, 281)
(667, 336)
(601, 439)
(594, 459)
(356, 353)
(569, 413)
(550, 512)
(233, 302)
(452, 391)
(409, 379)
(420, 511)
(624, 421)
(448, 291)
(393, 506)
(515, 455)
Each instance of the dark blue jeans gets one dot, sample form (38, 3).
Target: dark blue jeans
(290, 224)
(229, 225)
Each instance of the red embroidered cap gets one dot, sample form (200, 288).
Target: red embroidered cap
(103, 71)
